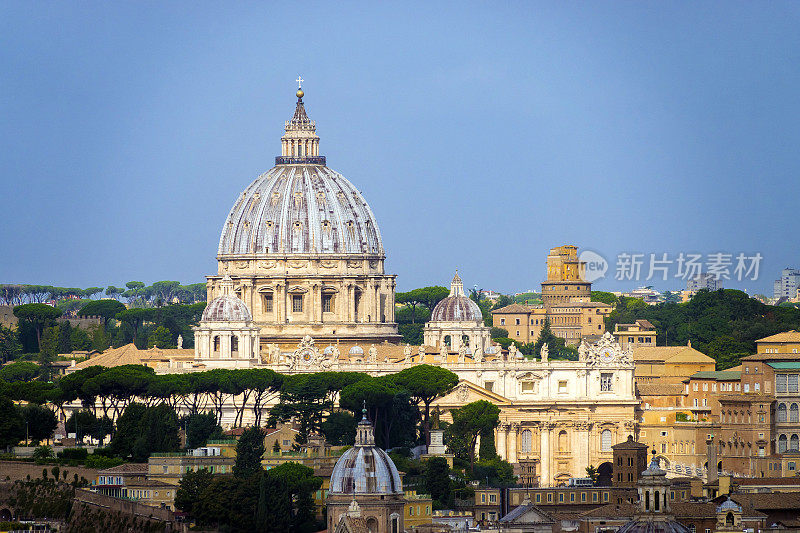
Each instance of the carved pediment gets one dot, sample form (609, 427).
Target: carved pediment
(466, 392)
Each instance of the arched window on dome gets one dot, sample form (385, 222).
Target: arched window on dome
(605, 440)
(526, 439)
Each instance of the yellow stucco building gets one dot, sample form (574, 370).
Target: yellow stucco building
(567, 304)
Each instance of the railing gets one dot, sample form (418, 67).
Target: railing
(307, 160)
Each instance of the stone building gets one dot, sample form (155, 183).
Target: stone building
(457, 323)
(226, 336)
(565, 277)
(304, 251)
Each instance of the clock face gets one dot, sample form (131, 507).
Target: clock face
(607, 355)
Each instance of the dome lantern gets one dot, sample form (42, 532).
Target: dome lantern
(300, 143)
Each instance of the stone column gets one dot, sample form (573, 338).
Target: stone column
(279, 303)
(544, 455)
(390, 303)
(225, 345)
(512, 445)
(316, 303)
(501, 441)
(378, 310)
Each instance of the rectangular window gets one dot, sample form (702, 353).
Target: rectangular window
(549, 497)
(562, 386)
(492, 498)
(489, 385)
(747, 387)
(705, 386)
(297, 303)
(560, 497)
(756, 387)
(781, 382)
(572, 496)
(792, 383)
(527, 386)
(268, 302)
(502, 321)
(605, 382)
(326, 302)
(516, 322)
(538, 498)
(483, 498)
(583, 496)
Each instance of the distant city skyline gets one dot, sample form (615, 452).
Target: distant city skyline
(482, 136)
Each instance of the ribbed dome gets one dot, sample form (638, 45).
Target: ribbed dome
(226, 307)
(300, 209)
(457, 307)
(365, 468)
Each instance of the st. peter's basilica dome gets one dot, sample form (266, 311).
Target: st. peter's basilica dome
(300, 206)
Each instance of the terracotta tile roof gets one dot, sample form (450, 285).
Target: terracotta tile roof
(694, 509)
(670, 354)
(124, 355)
(629, 444)
(659, 389)
(612, 510)
(772, 357)
(758, 481)
(785, 336)
(125, 468)
(769, 501)
(721, 375)
(513, 309)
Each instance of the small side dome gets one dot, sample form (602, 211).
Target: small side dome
(356, 350)
(227, 307)
(457, 307)
(365, 468)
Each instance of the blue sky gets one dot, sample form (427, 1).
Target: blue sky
(482, 134)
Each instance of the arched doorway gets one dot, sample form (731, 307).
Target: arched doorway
(605, 474)
(5, 515)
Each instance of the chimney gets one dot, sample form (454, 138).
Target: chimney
(711, 457)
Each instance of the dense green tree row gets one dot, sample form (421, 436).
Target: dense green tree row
(396, 402)
(137, 293)
(723, 324)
